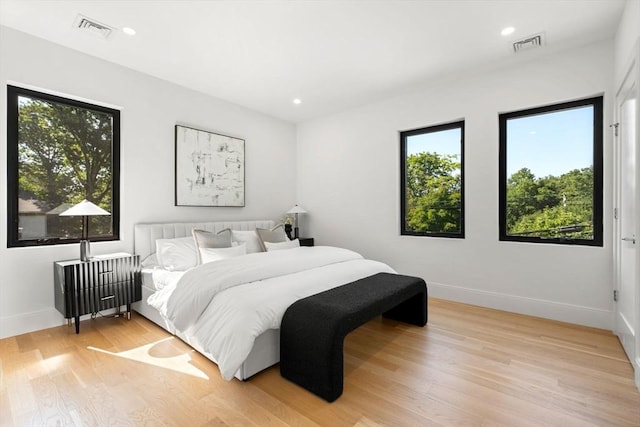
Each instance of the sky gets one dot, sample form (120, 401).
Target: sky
(443, 142)
(548, 144)
(552, 143)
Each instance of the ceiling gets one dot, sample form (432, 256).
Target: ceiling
(331, 54)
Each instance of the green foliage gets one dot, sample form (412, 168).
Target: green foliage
(433, 193)
(553, 206)
(64, 156)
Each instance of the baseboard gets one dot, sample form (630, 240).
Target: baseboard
(28, 322)
(11, 326)
(636, 369)
(597, 318)
(570, 313)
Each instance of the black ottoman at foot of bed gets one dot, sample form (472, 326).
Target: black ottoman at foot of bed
(313, 328)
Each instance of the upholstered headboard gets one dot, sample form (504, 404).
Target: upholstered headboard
(145, 235)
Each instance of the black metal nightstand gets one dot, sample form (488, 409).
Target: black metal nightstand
(103, 282)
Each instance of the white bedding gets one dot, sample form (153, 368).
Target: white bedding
(157, 278)
(224, 305)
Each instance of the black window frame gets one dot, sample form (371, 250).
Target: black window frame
(13, 93)
(598, 147)
(458, 124)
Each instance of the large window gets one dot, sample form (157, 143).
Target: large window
(432, 182)
(60, 152)
(551, 174)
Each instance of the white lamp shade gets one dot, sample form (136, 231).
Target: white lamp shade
(84, 208)
(296, 210)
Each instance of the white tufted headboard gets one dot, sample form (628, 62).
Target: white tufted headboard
(145, 235)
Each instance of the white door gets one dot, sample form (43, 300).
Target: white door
(627, 308)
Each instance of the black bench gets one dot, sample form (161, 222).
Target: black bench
(313, 328)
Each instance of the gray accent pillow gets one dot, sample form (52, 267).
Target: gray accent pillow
(249, 238)
(207, 239)
(275, 235)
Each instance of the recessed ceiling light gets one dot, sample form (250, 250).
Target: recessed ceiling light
(297, 101)
(507, 31)
(129, 31)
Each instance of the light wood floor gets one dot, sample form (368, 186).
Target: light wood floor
(469, 366)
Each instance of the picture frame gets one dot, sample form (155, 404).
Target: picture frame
(209, 168)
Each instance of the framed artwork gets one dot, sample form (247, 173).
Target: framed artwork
(209, 168)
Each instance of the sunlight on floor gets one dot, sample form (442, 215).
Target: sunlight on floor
(179, 363)
(52, 364)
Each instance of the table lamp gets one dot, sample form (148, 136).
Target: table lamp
(296, 210)
(85, 209)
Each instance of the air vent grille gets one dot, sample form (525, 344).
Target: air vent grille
(531, 42)
(92, 26)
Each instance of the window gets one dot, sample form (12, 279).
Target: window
(432, 182)
(551, 174)
(59, 152)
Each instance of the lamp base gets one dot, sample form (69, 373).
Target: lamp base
(85, 250)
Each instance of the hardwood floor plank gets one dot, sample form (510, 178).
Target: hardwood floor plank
(445, 386)
(75, 395)
(280, 409)
(51, 406)
(470, 366)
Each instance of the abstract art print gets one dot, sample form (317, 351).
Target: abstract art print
(209, 168)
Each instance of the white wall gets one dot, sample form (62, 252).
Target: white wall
(150, 109)
(349, 182)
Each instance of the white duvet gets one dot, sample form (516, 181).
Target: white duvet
(224, 305)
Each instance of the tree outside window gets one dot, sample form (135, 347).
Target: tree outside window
(551, 174)
(60, 151)
(432, 202)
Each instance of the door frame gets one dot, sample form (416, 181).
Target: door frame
(631, 70)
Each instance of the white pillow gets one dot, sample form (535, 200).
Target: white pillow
(176, 254)
(215, 254)
(250, 238)
(289, 244)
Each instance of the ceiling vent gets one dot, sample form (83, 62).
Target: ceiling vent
(530, 42)
(92, 26)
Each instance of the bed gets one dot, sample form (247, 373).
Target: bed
(229, 310)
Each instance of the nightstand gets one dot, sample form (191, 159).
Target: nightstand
(103, 282)
(305, 241)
